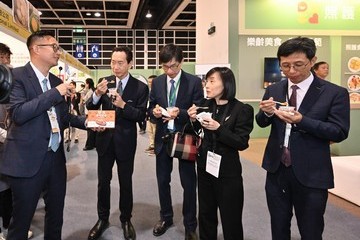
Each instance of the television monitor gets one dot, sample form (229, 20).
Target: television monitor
(272, 71)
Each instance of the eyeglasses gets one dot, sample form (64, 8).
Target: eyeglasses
(298, 66)
(54, 46)
(173, 67)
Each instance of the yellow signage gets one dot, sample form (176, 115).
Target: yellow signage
(6, 20)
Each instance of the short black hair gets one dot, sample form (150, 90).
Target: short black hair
(317, 65)
(297, 45)
(170, 51)
(126, 50)
(228, 79)
(4, 49)
(152, 76)
(37, 35)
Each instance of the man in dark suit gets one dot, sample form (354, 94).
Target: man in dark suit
(297, 155)
(34, 158)
(179, 90)
(119, 144)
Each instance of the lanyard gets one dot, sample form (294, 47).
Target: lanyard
(172, 97)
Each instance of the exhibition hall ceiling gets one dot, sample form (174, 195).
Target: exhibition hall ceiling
(166, 14)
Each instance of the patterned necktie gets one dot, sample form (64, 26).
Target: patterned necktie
(172, 98)
(286, 158)
(54, 139)
(119, 88)
(292, 100)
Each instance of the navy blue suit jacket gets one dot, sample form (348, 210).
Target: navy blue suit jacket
(29, 133)
(190, 92)
(326, 118)
(136, 95)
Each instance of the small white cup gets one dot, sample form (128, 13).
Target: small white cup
(288, 109)
(170, 110)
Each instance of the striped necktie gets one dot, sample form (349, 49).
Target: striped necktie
(54, 139)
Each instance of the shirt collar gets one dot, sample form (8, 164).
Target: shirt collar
(38, 74)
(304, 85)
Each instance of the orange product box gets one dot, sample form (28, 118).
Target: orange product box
(101, 118)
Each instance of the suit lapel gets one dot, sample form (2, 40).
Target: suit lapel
(129, 87)
(182, 89)
(164, 92)
(311, 95)
(33, 79)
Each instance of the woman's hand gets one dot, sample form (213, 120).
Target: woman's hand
(192, 113)
(210, 124)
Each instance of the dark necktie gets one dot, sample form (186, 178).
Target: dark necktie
(119, 88)
(54, 141)
(172, 98)
(292, 100)
(286, 158)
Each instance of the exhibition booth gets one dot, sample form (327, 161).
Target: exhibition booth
(14, 34)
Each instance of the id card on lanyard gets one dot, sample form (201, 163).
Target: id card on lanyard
(53, 121)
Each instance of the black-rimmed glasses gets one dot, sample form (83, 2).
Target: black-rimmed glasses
(173, 67)
(54, 46)
(298, 66)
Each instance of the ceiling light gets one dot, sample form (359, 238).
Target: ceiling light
(88, 14)
(97, 14)
(148, 15)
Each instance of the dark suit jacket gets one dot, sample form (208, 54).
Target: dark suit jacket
(135, 95)
(190, 92)
(29, 133)
(231, 137)
(326, 117)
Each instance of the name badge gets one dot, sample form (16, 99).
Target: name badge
(213, 161)
(287, 135)
(53, 121)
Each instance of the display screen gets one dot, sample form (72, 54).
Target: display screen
(272, 71)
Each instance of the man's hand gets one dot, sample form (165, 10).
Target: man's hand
(64, 88)
(288, 117)
(118, 100)
(98, 129)
(268, 106)
(173, 112)
(101, 88)
(157, 111)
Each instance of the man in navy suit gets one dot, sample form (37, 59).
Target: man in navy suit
(297, 156)
(34, 158)
(128, 98)
(179, 90)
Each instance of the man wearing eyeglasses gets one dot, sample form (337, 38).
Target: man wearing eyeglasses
(33, 157)
(178, 90)
(297, 156)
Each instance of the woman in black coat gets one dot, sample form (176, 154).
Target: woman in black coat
(227, 131)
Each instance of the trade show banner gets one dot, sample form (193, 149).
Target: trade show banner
(323, 15)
